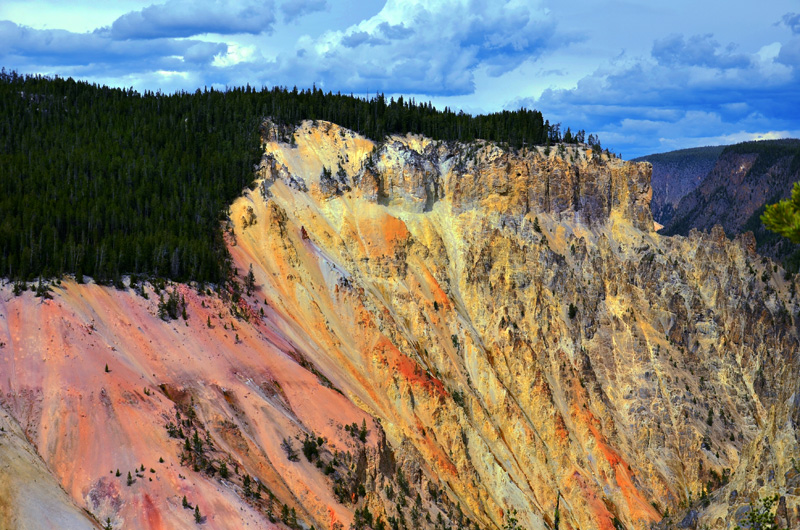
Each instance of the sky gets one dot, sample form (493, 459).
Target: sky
(646, 76)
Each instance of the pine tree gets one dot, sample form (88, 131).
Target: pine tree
(784, 216)
(250, 281)
(197, 517)
(246, 486)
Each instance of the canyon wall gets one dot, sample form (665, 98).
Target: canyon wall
(473, 335)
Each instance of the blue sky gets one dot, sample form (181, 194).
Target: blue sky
(645, 76)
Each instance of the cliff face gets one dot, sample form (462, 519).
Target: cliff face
(584, 357)
(506, 332)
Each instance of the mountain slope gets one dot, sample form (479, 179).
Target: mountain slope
(744, 178)
(505, 328)
(675, 174)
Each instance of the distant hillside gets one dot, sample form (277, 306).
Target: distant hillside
(745, 178)
(677, 173)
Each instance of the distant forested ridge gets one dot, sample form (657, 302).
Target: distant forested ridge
(746, 177)
(676, 174)
(104, 181)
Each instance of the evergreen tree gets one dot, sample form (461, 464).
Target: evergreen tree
(250, 281)
(784, 216)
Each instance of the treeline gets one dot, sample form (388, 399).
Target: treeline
(104, 181)
(769, 153)
(377, 117)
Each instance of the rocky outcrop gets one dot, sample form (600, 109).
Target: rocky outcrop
(30, 497)
(588, 188)
(552, 344)
(470, 334)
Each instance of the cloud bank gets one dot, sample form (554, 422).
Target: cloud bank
(663, 90)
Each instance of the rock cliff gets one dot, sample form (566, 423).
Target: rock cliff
(434, 335)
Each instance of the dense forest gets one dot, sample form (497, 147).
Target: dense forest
(105, 181)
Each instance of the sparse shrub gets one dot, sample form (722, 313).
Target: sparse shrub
(511, 520)
(286, 445)
(458, 398)
(250, 281)
(760, 517)
(310, 448)
(402, 482)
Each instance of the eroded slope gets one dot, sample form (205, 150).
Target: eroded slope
(466, 331)
(515, 319)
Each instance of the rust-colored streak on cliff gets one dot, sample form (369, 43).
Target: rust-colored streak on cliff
(506, 326)
(467, 258)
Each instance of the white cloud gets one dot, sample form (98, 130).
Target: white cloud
(184, 18)
(235, 54)
(424, 47)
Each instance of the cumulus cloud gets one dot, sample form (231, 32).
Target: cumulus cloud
(429, 47)
(689, 90)
(186, 18)
(790, 53)
(97, 53)
(425, 47)
(294, 9)
(697, 50)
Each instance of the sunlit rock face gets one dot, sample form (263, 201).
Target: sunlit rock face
(507, 327)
